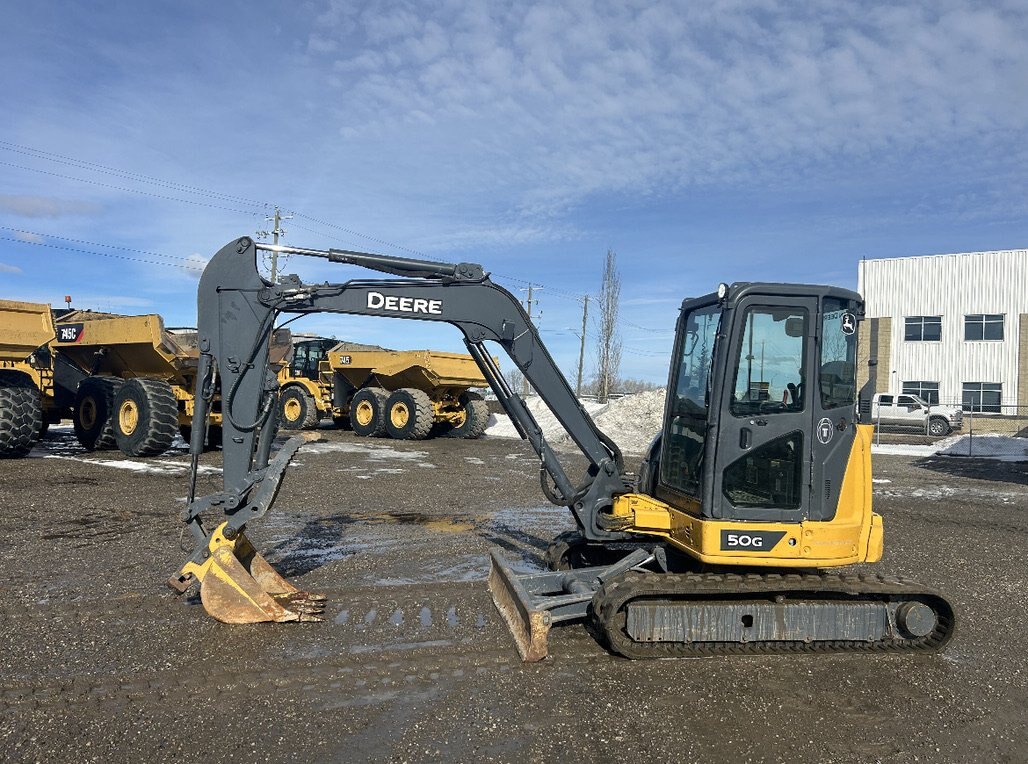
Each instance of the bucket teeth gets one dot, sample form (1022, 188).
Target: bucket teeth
(237, 585)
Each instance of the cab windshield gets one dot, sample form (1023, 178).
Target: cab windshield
(681, 464)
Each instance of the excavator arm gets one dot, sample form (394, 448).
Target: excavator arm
(237, 312)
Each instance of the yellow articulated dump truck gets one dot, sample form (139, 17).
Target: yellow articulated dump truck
(25, 327)
(410, 395)
(124, 381)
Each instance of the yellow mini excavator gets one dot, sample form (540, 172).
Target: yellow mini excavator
(758, 483)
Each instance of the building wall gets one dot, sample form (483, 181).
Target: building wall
(950, 286)
(1022, 366)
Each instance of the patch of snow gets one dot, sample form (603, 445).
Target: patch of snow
(371, 451)
(880, 480)
(1000, 447)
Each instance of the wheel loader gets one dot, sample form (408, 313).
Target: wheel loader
(757, 487)
(404, 394)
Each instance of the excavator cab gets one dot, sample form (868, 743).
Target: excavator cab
(761, 413)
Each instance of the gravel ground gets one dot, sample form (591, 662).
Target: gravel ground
(103, 663)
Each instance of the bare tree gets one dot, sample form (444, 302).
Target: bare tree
(608, 341)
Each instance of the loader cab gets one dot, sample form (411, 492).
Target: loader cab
(307, 355)
(760, 414)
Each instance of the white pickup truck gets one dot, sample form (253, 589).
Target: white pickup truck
(911, 411)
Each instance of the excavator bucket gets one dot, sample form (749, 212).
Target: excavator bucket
(237, 585)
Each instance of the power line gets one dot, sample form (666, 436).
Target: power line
(129, 190)
(197, 268)
(89, 243)
(127, 174)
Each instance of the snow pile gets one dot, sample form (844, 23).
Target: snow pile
(1000, 447)
(500, 425)
(631, 422)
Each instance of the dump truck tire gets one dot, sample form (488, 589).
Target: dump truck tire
(91, 417)
(476, 417)
(145, 417)
(21, 414)
(213, 441)
(297, 410)
(367, 412)
(408, 414)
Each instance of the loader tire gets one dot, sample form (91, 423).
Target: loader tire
(21, 414)
(297, 410)
(475, 417)
(145, 417)
(367, 412)
(91, 417)
(409, 414)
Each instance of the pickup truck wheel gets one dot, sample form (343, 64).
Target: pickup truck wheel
(91, 417)
(367, 412)
(474, 417)
(145, 417)
(938, 426)
(20, 414)
(297, 410)
(408, 414)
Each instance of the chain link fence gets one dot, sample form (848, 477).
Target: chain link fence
(956, 429)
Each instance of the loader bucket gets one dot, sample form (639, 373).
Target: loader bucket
(529, 626)
(237, 585)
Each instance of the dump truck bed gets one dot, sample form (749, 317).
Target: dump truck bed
(137, 346)
(421, 369)
(24, 326)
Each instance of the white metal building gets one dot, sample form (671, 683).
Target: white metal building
(951, 328)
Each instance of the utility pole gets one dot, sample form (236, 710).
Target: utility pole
(524, 385)
(581, 347)
(277, 219)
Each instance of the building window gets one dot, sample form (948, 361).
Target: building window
(983, 397)
(983, 326)
(926, 391)
(923, 329)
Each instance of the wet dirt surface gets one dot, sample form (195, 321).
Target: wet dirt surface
(102, 662)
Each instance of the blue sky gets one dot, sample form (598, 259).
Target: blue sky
(703, 142)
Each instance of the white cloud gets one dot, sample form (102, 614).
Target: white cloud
(549, 104)
(5, 268)
(45, 206)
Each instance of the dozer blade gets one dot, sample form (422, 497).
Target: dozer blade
(531, 603)
(528, 625)
(237, 585)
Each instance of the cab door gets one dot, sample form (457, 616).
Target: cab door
(763, 454)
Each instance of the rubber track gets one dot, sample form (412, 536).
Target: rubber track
(610, 602)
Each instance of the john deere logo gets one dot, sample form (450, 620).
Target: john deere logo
(379, 301)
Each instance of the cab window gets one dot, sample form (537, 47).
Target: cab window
(769, 377)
